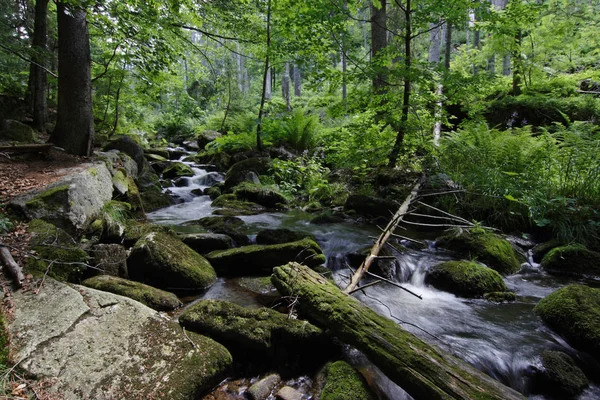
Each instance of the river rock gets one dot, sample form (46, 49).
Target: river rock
(128, 146)
(574, 312)
(559, 376)
(159, 151)
(151, 191)
(488, 248)
(205, 137)
(135, 230)
(157, 299)
(465, 279)
(263, 195)
(539, 251)
(289, 393)
(57, 254)
(260, 287)
(262, 389)
(16, 131)
(162, 260)
(227, 225)
(572, 260)
(89, 344)
(203, 243)
(190, 145)
(177, 170)
(275, 336)
(73, 202)
(232, 206)
(261, 259)
(342, 381)
(213, 192)
(370, 206)
(115, 160)
(280, 235)
(239, 172)
(110, 258)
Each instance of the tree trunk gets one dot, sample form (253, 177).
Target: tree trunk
(407, 86)
(378, 43)
(38, 78)
(297, 81)
(285, 86)
(448, 46)
(15, 270)
(269, 85)
(266, 82)
(75, 120)
(422, 370)
(435, 41)
(517, 65)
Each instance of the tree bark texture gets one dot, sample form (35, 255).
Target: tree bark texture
(75, 120)
(266, 83)
(15, 270)
(435, 41)
(285, 86)
(448, 45)
(378, 43)
(39, 80)
(422, 370)
(297, 81)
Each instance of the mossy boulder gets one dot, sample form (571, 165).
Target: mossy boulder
(263, 195)
(163, 260)
(135, 230)
(261, 259)
(260, 287)
(55, 252)
(241, 171)
(213, 192)
(500, 297)
(203, 243)
(150, 190)
(540, 250)
(128, 146)
(280, 235)
(177, 170)
(159, 151)
(225, 225)
(157, 299)
(370, 206)
(264, 331)
(574, 312)
(16, 131)
(110, 258)
(572, 260)
(207, 136)
(488, 248)
(465, 279)
(155, 157)
(231, 205)
(343, 382)
(559, 376)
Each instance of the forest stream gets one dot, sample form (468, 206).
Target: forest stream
(503, 340)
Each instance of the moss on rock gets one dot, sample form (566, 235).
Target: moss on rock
(465, 279)
(488, 248)
(176, 170)
(280, 235)
(343, 382)
(163, 260)
(231, 205)
(157, 299)
(266, 196)
(559, 376)
(574, 312)
(56, 252)
(4, 341)
(261, 259)
(135, 230)
(572, 260)
(227, 225)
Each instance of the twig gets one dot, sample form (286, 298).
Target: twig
(394, 284)
(407, 238)
(188, 338)
(444, 212)
(365, 286)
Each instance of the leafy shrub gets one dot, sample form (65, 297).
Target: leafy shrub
(232, 142)
(5, 223)
(297, 130)
(174, 127)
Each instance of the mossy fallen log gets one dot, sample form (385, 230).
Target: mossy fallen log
(424, 371)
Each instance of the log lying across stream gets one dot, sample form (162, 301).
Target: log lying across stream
(424, 371)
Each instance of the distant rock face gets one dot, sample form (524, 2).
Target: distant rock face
(73, 202)
(17, 131)
(96, 345)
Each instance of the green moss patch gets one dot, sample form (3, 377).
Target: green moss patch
(234, 206)
(53, 198)
(465, 278)
(572, 260)
(261, 259)
(163, 260)
(266, 196)
(147, 295)
(176, 170)
(485, 247)
(560, 377)
(574, 312)
(343, 382)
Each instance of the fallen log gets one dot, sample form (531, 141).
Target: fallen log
(383, 238)
(15, 270)
(422, 370)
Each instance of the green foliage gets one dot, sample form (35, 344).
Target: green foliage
(550, 179)
(6, 224)
(232, 143)
(297, 130)
(174, 127)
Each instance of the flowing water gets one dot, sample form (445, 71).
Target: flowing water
(503, 340)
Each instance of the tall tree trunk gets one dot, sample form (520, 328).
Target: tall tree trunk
(435, 41)
(266, 80)
(476, 40)
(297, 81)
(38, 78)
(378, 43)
(285, 86)
(75, 120)
(518, 65)
(269, 85)
(448, 45)
(403, 127)
(344, 78)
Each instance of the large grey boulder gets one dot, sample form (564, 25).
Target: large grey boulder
(89, 344)
(116, 160)
(73, 202)
(205, 137)
(128, 146)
